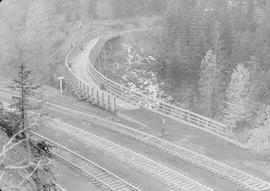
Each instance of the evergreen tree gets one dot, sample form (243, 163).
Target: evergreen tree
(23, 85)
(184, 57)
(262, 119)
(226, 34)
(173, 25)
(260, 135)
(196, 40)
(174, 51)
(239, 53)
(263, 37)
(238, 96)
(251, 21)
(208, 83)
(12, 19)
(184, 42)
(208, 26)
(39, 39)
(256, 77)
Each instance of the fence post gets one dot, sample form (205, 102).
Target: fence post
(109, 102)
(80, 86)
(88, 94)
(189, 117)
(84, 92)
(97, 97)
(185, 116)
(227, 131)
(114, 105)
(92, 95)
(103, 101)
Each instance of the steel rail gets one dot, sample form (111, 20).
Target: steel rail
(173, 179)
(169, 177)
(88, 169)
(234, 175)
(220, 169)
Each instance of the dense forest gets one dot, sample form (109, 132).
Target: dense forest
(216, 53)
(213, 55)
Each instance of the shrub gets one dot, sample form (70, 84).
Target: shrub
(260, 142)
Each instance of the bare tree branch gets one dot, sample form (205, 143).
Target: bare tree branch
(31, 174)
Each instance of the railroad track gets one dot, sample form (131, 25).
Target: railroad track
(99, 176)
(60, 187)
(173, 179)
(26, 172)
(236, 176)
(220, 169)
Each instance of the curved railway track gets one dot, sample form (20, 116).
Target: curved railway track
(173, 179)
(88, 169)
(220, 169)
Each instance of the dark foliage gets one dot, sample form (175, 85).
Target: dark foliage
(41, 148)
(235, 30)
(24, 87)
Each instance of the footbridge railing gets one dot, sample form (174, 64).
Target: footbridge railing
(80, 87)
(137, 98)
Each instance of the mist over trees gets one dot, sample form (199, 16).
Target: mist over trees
(220, 51)
(214, 55)
(46, 29)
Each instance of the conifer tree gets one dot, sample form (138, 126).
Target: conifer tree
(262, 36)
(256, 77)
(23, 85)
(173, 24)
(39, 39)
(260, 135)
(196, 41)
(238, 96)
(184, 56)
(262, 119)
(226, 34)
(208, 82)
(251, 21)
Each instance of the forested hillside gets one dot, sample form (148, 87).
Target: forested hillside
(217, 52)
(45, 30)
(211, 56)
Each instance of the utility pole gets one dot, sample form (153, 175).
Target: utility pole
(60, 78)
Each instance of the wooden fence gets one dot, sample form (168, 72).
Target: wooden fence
(81, 88)
(136, 98)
